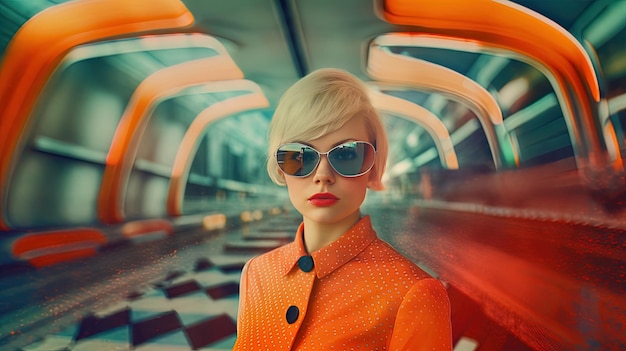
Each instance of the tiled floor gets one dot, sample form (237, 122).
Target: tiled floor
(193, 307)
(195, 310)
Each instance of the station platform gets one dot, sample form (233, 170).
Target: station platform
(177, 293)
(181, 292)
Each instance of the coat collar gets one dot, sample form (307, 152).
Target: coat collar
(334, 255)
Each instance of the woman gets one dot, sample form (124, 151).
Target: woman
(337, 286)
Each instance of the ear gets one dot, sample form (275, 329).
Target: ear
(372, 177)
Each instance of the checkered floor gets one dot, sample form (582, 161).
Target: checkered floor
(193, 310)
(190, 309)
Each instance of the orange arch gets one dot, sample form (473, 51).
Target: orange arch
(40, 44)
(516, 29)
(420, 74)
(418, 114)
(509, 26)
(163, 83)
(189, 145)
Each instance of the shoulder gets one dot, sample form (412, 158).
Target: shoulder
(429, 290)
(428, 299)
(388, 256)
(423, 320)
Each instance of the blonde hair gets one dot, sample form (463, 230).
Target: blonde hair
(319, 104)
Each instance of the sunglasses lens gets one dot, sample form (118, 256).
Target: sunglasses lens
(352, 158)
(297, 159)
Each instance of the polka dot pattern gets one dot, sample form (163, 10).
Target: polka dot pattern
(359, 294)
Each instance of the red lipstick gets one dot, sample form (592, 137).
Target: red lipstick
(323, 199)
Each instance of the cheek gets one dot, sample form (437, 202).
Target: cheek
(357, 187)
(293, 189)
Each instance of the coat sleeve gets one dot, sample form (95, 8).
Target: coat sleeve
(423, 319)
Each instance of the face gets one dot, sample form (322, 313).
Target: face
(309, 194)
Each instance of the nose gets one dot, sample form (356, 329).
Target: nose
(324, 172)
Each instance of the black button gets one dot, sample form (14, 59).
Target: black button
(306, 263)
(292, 314)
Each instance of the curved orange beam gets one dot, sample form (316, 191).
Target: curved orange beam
(508, 25)
(160, 85)
(189, 145)
(39, 45)
(140, 44)
(47, 248)
(426, 119)
(393, 68)
(519, 30)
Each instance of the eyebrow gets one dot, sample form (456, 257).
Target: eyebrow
(333, 145)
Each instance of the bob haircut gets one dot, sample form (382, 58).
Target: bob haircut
(319, 104)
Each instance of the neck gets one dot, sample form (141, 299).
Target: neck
(318, 235)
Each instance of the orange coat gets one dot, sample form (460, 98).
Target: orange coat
(356, 293)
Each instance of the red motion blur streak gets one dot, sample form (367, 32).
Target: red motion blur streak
(556, 286)
(39, 45)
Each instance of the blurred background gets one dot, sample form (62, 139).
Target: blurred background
(133, 142)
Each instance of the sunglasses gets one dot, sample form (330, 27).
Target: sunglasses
(350, 159)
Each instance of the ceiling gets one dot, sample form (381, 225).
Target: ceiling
(277, 42)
